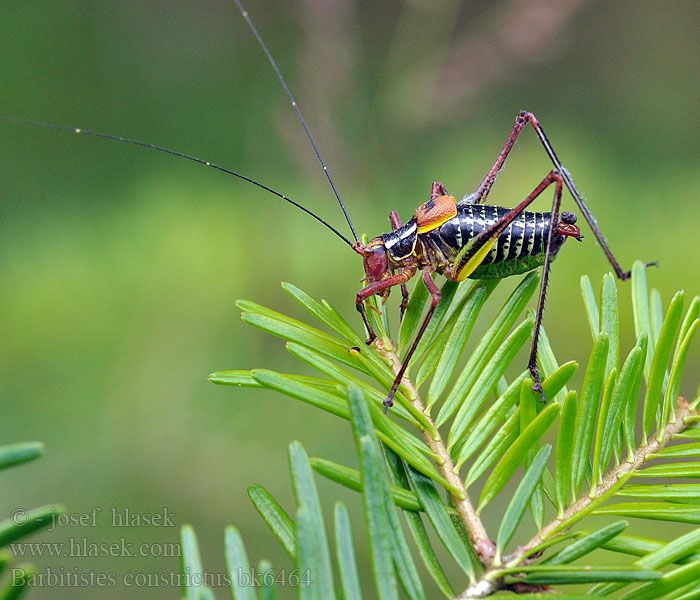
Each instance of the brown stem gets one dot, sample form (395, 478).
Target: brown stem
(483, 545)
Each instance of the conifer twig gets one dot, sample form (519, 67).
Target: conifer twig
(483, 545)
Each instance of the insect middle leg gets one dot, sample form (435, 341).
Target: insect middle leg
(437, 190)
(436, 295)
(376, 288)
(395, 224)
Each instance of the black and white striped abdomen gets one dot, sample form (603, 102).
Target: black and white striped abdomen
(525, 236)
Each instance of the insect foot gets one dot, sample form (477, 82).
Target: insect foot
(537, 385)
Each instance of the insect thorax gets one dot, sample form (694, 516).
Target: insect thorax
(401, 243)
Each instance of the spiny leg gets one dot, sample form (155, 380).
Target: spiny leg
(470, 261)
(435, 293)
(375, 288)
(395, 224)
(532, 364)
(476, 251)
(482, 191)
(437, 190)
(485, 186)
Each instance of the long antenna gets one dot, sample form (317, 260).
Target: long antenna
(271, 60)
(206, 163)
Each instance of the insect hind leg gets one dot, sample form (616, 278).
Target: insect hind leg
(523, 118)
(473, 257)
(556, 178)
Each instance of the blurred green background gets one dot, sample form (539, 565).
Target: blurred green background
(120, 267)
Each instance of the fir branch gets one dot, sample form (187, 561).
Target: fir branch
(503, 438)
(483, 545)
(612, 479)
(491, 580)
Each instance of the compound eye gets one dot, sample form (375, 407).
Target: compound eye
(377, 259)
(568, 217)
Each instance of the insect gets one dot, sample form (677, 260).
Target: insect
(456, 239)
(471, 239)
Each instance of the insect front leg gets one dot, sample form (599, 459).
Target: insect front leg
(376, 288)
(436, 295)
